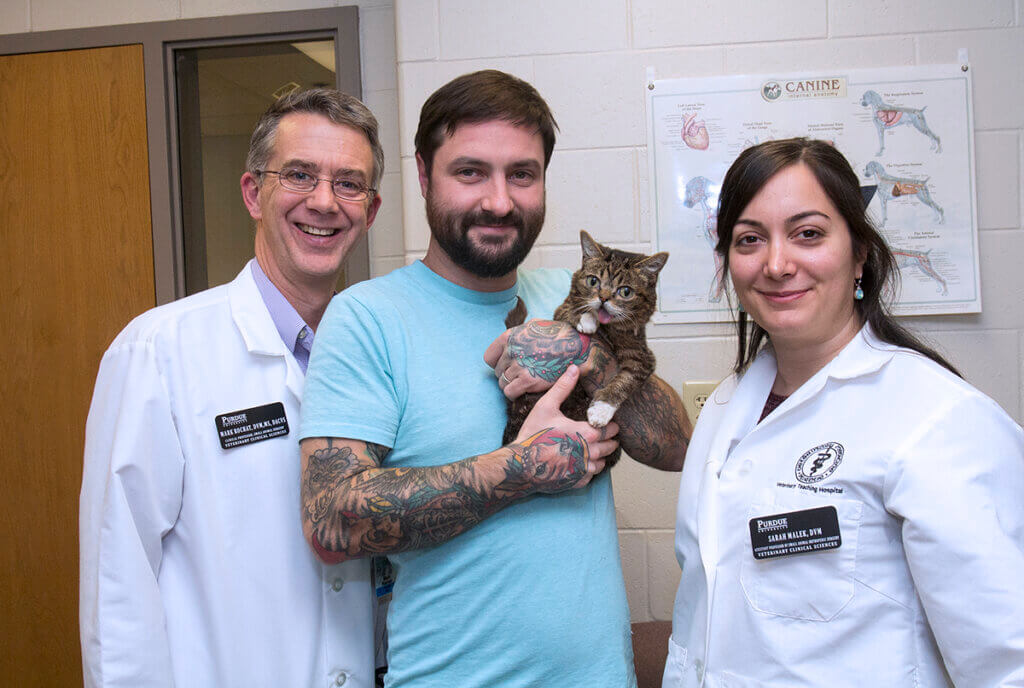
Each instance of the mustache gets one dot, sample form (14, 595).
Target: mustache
(513, 218)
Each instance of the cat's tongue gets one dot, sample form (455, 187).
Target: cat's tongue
(603, 316)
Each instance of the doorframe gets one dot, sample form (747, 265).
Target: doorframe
(159, 40)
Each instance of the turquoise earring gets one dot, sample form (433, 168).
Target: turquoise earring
(858, 293)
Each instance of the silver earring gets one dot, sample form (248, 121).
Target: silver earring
(858, 293)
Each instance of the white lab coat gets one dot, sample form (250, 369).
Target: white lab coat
(927, 588)
(194, 570)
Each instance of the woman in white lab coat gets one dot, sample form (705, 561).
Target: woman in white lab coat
(851, 512)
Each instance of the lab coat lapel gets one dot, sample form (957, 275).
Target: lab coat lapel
(257, 328)
(864, 354)
(806, 391)
(744, 400)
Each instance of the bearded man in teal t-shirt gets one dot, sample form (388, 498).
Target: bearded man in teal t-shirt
(505, 558)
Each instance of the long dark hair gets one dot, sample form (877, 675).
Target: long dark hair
(745, 178)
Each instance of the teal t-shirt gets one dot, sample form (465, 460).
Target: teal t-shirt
(533, 595)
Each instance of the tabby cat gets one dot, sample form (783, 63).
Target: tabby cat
(612, 297)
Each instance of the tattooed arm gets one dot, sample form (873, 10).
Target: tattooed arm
(654, 427)
(353, 507)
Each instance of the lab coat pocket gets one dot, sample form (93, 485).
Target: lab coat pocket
(814, 586)
(677, 673)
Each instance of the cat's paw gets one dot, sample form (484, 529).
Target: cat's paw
(588, 323)
(599, 413)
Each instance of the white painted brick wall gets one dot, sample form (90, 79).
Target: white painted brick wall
(998, 71)
(386, 238)
(384, 104)
(865, 53)
(633, 552)
(591, 190)
(50, 15)
(867, 17)
(471, 29)
(380, 93)
(597, 99)
(417, 24)
(644, 498)
(414, 224)
(662, 576)
(14, 17)
(211, 8)
(377, 55)
(998, 178)
(661, 23)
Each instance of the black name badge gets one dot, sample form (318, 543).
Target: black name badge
(796, 532)
(259, 423)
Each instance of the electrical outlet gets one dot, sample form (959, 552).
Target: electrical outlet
(695, 393)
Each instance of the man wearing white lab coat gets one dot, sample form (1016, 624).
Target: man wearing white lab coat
(194, 569)
(915, 572)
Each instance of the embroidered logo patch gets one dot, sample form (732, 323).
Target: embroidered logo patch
(819, 463)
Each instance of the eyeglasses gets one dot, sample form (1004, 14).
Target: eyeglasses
(304, 182)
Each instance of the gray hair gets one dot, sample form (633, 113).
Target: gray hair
(336, 106)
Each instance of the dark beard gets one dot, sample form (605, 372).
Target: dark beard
(451, 231)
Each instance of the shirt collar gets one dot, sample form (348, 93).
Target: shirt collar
(865, 354)
(287, 320)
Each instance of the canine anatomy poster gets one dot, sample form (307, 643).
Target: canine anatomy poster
(906, 130)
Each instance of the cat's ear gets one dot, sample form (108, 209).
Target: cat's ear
(591, 249)
(655, 263)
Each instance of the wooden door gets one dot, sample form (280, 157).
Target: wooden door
(78, 265)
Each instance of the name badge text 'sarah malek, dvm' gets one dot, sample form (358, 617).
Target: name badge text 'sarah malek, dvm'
(795, 532)
(256, 424)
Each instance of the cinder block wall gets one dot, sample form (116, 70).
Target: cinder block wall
(588, 59)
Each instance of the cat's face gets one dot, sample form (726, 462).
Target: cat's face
(616, 286)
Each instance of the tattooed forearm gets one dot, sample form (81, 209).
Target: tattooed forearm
(546, 348)
(526, 464)
(599, 370)
(352, 507)
(653, 426)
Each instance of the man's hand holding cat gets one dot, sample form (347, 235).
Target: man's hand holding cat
(531, 356)
(556, 453)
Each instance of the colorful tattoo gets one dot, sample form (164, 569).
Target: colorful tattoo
(356, 508)
(536, 348)
(653, 427)
(575, 451)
